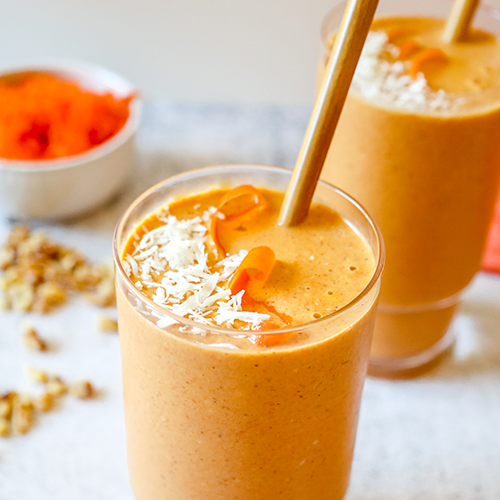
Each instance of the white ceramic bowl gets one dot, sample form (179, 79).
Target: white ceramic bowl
(72, 185)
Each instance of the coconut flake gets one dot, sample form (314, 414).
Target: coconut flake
(133, 265)
(388, 83)
(170, 262)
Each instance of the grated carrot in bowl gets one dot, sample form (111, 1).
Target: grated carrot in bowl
(44, 116)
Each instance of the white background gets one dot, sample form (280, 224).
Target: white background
(195, 51)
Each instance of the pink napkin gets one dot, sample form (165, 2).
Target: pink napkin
(491, 258)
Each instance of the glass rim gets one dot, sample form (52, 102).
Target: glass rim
(490, 10)
(118, 232)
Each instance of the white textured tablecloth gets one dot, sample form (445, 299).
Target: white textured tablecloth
(436, 437)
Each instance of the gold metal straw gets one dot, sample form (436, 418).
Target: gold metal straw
(344, 57)
(459, 20)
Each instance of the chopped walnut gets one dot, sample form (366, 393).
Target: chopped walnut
(36, 374)
(6, 408)
(71, 261)
(32, 339)
(56, 386)
(4, 427)
(18, 234)
(107, 324)
(18, 411)
(23, 414)
(86, 277)
(6, 404)
(82, 390)
(44, 402)
(7, 257)
(38, 274)
(20, 296)
(49, 294)
(104, 295)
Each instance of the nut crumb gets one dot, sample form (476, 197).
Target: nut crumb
(107, 324)
(82, 390)
(23, 414)
(4, 427)
(36, 374)
(32, 340)
(49, 295)
(56, 386)
(103, 294)
(6, 404)
(38, 274)
(44, 402)
(18, 411)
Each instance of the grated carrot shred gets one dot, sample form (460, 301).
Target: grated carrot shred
(269, 339)
(424, 57)
(237, 203)
(43, 116)
(397, 32)
(408, 49)
(257, 265)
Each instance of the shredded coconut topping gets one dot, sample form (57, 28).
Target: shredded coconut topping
(388, 83)
(172, 260)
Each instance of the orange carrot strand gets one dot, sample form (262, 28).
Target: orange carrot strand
(408, 49)
(257, 265)
(397, 32)
(424, 57)
(237, 203)
(269, 339)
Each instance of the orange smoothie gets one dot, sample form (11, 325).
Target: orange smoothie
(247, 394)
(418, 144)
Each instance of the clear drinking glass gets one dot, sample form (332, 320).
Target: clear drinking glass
(207, 416)
(430, 180)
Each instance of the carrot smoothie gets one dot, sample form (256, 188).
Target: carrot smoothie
(418, 144)
(244, 344)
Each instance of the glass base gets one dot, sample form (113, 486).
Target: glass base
(408, 340)
(414, 365)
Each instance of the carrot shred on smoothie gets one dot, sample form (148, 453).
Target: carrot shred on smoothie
(235, 204)
(408, 49)
(269, 339)
(257, 265)
(424, 57)
(396, 32)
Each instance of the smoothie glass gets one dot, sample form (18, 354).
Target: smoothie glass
(209, 415)
(430, 180)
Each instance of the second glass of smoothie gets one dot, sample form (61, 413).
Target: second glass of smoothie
(255, 411)
(418, 144)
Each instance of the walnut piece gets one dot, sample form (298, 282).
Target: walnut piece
(38, 275)
(36, 374)
(23, 414)
(6, 404)
(49, 295)
(18, 411)
(82, 390)
(103, 294)
(107, 324)
(4, 427)
(32, 340)
(56, 386)
(6, 408)
(44, 402)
